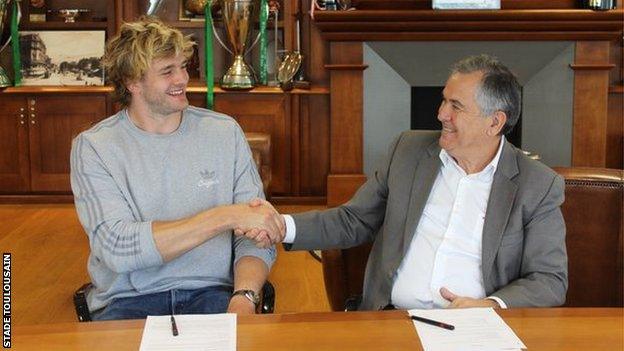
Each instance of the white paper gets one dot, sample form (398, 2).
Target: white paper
(475, 329)
(204, 332)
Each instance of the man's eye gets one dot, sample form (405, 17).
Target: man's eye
(164, 73)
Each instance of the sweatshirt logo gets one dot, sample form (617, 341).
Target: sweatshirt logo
(207, 179)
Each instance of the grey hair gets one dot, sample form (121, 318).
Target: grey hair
(499, 89)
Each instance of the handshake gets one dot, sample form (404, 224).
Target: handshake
(260, 222)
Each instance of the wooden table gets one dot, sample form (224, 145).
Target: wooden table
(540, 329)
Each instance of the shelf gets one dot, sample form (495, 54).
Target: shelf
(36, 89)
(316, 90)
(397, 25)
(616, 89)
(194, 88)
(63, 25)
(194, 24)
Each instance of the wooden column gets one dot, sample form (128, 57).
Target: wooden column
(591, 86)
(346, 125)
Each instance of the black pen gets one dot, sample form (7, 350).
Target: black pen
(174, 326)
(432, 322)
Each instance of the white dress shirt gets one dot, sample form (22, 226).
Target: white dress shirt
(446, 248)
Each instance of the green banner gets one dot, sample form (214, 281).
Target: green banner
(17, 63)
(208, 65)
(264, 15)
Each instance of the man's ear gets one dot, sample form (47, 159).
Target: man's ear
(499, 118)
(132, 86)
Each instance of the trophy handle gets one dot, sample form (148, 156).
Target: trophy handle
(216, 34)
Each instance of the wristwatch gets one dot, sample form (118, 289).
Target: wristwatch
(249, 294)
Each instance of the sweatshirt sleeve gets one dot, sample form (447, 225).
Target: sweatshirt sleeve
(116, 237)
(248, 185)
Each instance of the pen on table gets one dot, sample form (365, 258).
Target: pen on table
(174, 326)
(432, 322)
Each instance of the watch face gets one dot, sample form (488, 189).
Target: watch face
(252, 296)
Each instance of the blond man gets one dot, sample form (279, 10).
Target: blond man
(157, 188)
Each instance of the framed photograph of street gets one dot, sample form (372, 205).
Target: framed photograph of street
(62, 57)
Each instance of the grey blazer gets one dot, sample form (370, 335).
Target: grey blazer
(524, 260)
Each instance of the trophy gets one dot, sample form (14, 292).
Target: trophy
(5, 37)
(237, 20)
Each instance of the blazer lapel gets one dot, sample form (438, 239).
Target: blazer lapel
(424, 177)
(499, 206)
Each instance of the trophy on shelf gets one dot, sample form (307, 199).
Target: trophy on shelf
(5, 36)
(237, 20)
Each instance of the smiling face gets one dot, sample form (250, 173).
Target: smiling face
(161, 92)
(466, 132)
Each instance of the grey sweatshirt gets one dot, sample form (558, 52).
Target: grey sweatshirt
(123, 178)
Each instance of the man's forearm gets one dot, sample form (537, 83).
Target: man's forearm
(173, 238)
(250, 273)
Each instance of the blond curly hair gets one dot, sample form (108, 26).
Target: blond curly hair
(130, 53)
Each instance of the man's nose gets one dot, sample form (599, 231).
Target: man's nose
(181, 76)
(443, 114)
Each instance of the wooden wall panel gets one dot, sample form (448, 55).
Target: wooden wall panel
(591, 86)
(314, 138)
(14, 168)
(615, 130)
(51, 131)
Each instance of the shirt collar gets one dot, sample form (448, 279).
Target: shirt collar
(488, 171)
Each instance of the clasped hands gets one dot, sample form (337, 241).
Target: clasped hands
(261, 223)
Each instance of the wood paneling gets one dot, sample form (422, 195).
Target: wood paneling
(409, 25)
(315, 144)
(615, 131)
(591, 86)
(341, 187)
(14, 168)
(346, 89)
(53, 123)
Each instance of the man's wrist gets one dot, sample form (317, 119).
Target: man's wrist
(248, 295)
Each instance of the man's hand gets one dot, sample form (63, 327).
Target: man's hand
(466, 302)
(260, 222)
(239, 304)
(264, 237)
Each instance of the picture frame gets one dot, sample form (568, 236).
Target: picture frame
(62, 58)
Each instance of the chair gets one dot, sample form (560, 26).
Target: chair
(343, 273)
(593, 212)
(593, 215)
(260, 145)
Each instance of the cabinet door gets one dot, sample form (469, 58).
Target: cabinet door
(14, 170)
(54, 121)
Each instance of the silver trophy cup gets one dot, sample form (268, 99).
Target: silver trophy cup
(237, 19)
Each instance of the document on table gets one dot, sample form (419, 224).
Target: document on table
(475, 329)
(195, 332)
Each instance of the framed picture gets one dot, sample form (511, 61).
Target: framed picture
(62, 57)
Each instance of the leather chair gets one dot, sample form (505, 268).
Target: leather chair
(260, 145)
(593, 213)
